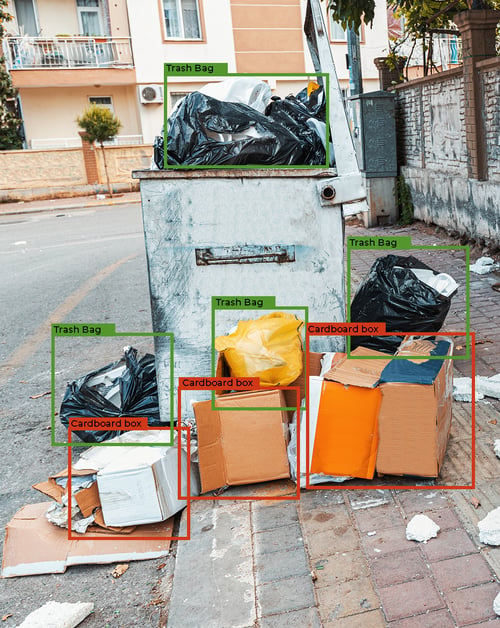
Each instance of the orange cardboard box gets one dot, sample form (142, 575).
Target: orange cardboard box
(346, 437)
(242, 446)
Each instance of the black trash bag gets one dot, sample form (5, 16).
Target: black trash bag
(158, 148)
(315, 102)
(393, 294)
(138, 396)
(294, 115)
(206, 131)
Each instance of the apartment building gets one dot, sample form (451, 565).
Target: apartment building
(65, 54)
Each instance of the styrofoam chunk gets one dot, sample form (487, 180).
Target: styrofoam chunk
(496, 604)
(462, 390)
(484, 265)
(488, 386)
(496, 447)
(421, 528)
(489, 528)
(58, 615)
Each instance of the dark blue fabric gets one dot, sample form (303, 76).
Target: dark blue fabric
(407, 372)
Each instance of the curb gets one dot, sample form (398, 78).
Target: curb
(37, 210)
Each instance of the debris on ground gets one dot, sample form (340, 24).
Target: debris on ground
(421, 528)
(58, 615)
(484, 265)
(475, 502)
(489, 528)
(44, 394)
(119, 570)
(496, 604)
(462, 390)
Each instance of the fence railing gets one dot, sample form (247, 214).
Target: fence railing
(29, 53)
(76, 142)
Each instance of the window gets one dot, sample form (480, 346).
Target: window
(26, 17)
(337, 33)
(175, 97)
(182, 19)
(89, 17)
(103, 101)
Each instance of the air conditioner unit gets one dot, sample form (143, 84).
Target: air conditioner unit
(150, 94)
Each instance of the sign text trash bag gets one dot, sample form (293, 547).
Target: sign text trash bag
(393, 294)
(269, 347)
(137, 394)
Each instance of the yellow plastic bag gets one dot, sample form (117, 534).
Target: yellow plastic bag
(269, 347)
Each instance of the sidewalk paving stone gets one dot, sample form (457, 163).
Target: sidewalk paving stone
(289, 594)
(266, 516)
(335, 518)
(370, 619)
(386, 516)
(449, 544)
(278, 539)
(415, 501)
(398, 568)
(340, 567)
(385, 541)
(281, 565)
(460, 572)
(308, 617)
(433, 619)
(346, 598)
(474, 604)
(410, 598)
(342, 539)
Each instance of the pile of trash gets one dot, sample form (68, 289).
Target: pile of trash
(239, 122)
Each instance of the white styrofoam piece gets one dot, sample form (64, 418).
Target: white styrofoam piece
(496, 447)
(484, 265)
(488, 386)
(326, 363)
(462, 390)
(58, 615)
(496, 604)
(421, 528)
(489, 528)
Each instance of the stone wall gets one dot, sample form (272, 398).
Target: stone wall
(52, 173)
(436, 156)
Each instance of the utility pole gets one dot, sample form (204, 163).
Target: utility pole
(354, 60)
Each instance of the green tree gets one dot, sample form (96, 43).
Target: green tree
(10, 123)
(100, 125)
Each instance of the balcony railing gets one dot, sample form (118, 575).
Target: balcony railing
(36, 53)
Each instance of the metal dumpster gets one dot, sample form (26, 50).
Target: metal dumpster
(266, 232)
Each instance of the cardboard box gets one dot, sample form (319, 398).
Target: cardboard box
(35, 546)
(242, 446)
(134, 485)
(415, 415)
(346, 438)
(413, 421)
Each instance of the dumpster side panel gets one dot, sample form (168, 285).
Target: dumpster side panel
(232, 237)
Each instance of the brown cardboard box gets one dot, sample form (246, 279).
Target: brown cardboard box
(242, 446)
(415, 421)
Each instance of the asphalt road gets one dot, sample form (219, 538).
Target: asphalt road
(81, 266)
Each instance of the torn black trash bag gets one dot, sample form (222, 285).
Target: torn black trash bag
(206, 131)
(136, 394)
(394, 295)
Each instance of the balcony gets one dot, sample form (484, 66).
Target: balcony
(35, 53)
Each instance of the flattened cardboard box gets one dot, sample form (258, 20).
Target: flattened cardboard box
(242, 446)
(33, 545)
(415, 419)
